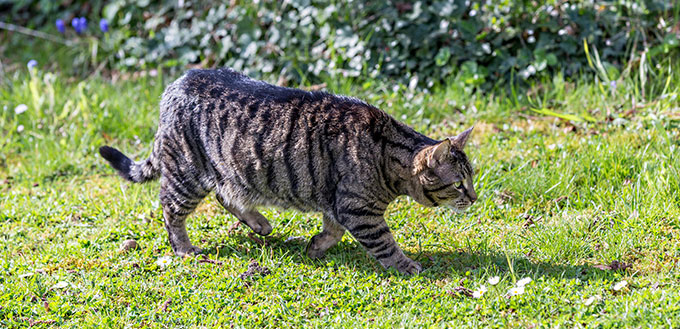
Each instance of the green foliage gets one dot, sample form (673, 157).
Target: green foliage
(424, 43)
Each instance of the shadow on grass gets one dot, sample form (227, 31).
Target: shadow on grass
(437, 264)
(441, 264)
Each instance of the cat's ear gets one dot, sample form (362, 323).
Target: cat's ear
(439, 153)
(459, 141)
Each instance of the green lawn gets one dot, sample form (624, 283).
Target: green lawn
(572, 176)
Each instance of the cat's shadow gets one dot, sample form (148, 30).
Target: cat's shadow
(437, 264)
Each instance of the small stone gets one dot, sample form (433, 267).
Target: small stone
(128, 245)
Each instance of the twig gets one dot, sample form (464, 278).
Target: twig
(205, 259)
(164, 307)
(256, 239)
(233, 227)
(32, 322)
(34, 33)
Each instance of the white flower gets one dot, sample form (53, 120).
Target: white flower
(479, 292)
(60, 285)
(295, 238)
(21, 108)
(20, 128)
(591, 300)
(620, 285)
(494, 280)
(515, 291)
(164, 261)
(531, 69)
(523, 282)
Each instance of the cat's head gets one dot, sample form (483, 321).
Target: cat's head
(442, 174)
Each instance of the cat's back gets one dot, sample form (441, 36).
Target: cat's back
(228, 95)
(226, 83)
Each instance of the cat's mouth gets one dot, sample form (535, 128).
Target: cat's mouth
(459, 206)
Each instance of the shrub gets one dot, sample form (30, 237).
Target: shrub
(422, 42)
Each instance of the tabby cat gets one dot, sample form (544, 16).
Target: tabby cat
(257, 144)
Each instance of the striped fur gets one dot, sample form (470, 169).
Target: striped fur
(255, 144)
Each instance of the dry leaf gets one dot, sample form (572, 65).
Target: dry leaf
(460, 290)
(614, 266)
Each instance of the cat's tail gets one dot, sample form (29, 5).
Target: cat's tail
(137, 172)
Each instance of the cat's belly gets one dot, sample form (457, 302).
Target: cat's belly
(255, 187)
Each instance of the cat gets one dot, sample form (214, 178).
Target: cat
(256, 144)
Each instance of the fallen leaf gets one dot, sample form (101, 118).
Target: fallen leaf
(615, 265)
(530, 220)
(460, 290)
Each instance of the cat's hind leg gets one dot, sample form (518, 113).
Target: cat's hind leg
(258, 223)
(179, 198)
(332, 234)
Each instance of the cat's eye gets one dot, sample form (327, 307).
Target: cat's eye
(459, 185)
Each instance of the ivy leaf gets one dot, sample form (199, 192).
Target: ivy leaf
(443, 56)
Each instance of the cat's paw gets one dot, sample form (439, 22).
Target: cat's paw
(188, 251)
(262, 228)
(408, 266)
(313, 249)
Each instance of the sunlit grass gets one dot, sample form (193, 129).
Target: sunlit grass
(559, 200)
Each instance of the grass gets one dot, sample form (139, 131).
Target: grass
(559, 201)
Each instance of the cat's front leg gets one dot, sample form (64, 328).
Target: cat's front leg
(368, 226)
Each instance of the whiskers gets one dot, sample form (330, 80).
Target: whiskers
(456, 210)
(459, 206)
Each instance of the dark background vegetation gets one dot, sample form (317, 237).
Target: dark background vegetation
(424, 43)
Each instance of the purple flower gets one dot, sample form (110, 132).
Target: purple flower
(60, 26)
(104, 25)
(612, 85)
(79, 24)
(75, 22)
(32, 64)
(82, 23)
